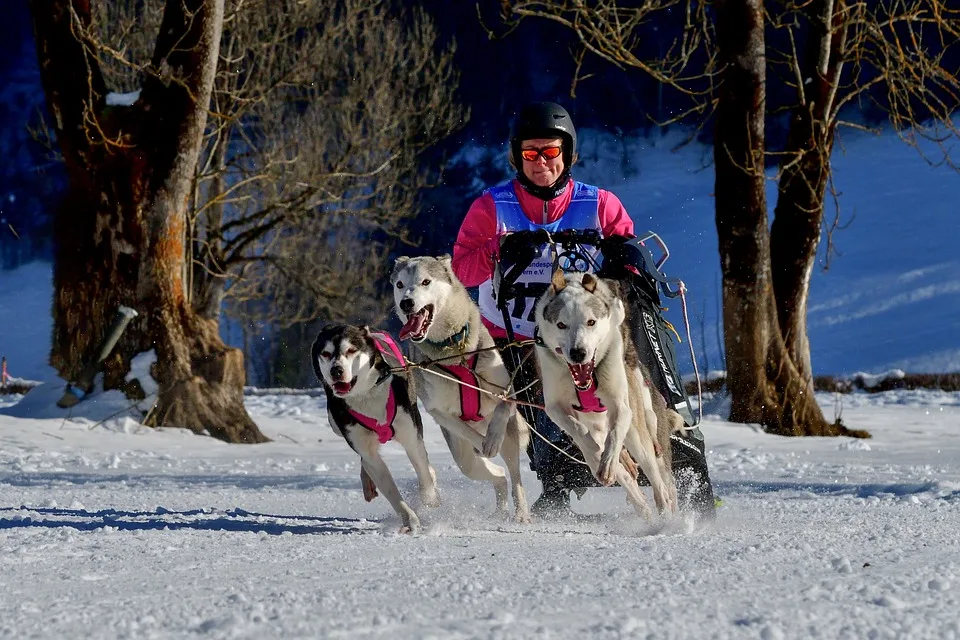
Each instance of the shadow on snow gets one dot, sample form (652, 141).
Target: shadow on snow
(196, 519)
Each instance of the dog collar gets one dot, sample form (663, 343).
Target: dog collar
(384, 430)
(459, 338)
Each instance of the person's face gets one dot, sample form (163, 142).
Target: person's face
(542, 170)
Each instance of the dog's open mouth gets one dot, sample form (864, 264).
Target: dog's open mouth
(418, 324)
(582, 375)
(343, 388)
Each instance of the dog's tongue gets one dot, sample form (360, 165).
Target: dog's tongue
(582, 375)
(342, 387)
(414, 324)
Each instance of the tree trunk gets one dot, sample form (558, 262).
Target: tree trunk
(805, 171)
(765, 385)
(120, 233)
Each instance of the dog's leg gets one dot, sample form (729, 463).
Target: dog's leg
(412, 443)
(620, 417)
(513, 444)
(640, 446)
(497, 429)
(454, 426)
(477, 468)
(634, 493)
(369, 448)
(369, 488)
(592, 454)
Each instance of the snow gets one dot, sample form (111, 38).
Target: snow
(128, 99)
(109, 529)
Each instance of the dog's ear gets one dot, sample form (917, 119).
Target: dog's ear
(445, 258)
(399, 262)
(315, 356)
(558, 282)
(589, 283)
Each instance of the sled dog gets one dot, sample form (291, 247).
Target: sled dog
(595, 389)
(443, 322)
(368, 406)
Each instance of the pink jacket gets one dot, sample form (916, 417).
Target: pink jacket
(477, 243)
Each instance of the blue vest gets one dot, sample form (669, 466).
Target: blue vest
(582, 213)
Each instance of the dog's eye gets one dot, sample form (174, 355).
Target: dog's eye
(399, 285)
(561, 325)
(591, 322)
(326, 355)
(425, 282)
(350, 351)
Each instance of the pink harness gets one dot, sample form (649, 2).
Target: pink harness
(469, 396)
(589, 402)
(383, 430)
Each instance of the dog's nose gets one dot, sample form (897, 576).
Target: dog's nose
(578, 354)
(336, 371)
(406, 305)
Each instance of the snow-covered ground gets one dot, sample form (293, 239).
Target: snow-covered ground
(112, 530)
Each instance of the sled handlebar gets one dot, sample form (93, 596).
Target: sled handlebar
(634, 251)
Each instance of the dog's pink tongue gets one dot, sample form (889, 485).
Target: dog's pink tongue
(413, 326)
(582, 374)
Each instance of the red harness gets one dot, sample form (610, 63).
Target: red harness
(384, 430)
(469, 396)
(589, 402)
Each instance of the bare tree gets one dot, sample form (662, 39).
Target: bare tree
(837, 54)
(313, 162)
(891, 54)
(120, 231)
(139, 197)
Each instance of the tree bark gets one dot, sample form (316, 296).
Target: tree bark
(766, 387)
(120, 233)
(805, 171)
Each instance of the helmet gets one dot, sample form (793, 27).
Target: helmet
(544, 120)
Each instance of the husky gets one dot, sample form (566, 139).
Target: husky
(596, 390)
(368, 406)
(443, 322)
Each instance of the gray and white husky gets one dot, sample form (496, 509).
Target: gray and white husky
(595, 388)
(368, 406)
(444, 323)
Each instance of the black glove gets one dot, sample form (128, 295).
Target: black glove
(614, 256)
(521, 247)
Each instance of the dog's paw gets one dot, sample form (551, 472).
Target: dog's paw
(607, 473)
(628, 463)
(430, 498)
(410, 525)
(522, 517)
(492, 442)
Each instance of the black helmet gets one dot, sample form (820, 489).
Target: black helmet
(544, 120)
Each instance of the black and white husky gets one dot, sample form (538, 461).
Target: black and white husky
(444, 323)
(369, 406)
(595, 389)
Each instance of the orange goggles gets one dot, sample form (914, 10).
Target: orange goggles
(548, 153)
